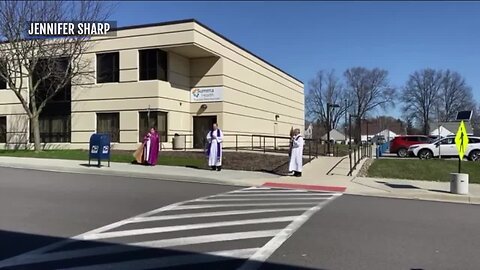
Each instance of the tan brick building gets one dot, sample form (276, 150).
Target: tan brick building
(178, 76)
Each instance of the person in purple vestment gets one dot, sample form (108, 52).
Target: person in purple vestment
(151, 143)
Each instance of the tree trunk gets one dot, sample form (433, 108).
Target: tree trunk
(36, 133)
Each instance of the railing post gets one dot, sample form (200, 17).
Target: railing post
(252, 142)
(316, 148)
(275, 143)
(264, 146)
(309, 150)
(236, 142)
(354, 156)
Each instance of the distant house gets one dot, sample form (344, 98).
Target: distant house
(309, 132)
(335, 136)
(449, 128)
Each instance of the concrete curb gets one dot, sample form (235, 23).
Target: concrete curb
(471, 200)
(151, 176)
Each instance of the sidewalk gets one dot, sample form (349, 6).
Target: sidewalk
(328, 173)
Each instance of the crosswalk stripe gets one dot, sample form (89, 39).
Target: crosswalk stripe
(175, 242)
(215, 214)
(173, 261)
(257, 259)
(261, 199)
(201, 206)
(185, 227)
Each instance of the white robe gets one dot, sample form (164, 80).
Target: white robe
(212, 158)
(296, 158)
(146, 150)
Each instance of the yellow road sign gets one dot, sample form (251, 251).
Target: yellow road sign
(461, 140)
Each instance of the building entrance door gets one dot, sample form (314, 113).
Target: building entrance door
(201, 126)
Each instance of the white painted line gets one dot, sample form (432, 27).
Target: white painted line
(173, 261)
(215, 214)
(275, 195)
(177, 228)
(269, 191)
(201, 206)
(114, 248)
(267, 250)
(98, 230)
(262, 199)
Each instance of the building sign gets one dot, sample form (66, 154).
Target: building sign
(206, 94)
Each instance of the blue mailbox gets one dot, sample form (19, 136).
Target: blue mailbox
(99, 148)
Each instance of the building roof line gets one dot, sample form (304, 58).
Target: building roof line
(209, 29)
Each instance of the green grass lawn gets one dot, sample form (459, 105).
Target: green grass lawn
(124, 156)
(430, 170)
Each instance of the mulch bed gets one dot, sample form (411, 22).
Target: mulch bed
(241, 161)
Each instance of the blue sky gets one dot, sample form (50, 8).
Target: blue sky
(304, 37)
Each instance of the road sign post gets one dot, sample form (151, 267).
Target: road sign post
(461, 141)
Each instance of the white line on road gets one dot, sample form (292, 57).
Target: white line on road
(115, 248)
(185, 227)
(214, 214)
(173, 261)
(267, 250)
(276, 195)
(262, 199)
(95, 231)
(201, 206)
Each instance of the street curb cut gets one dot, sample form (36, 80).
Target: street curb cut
(306, 187)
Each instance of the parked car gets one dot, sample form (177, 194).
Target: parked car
(400, 144)
(446, 147)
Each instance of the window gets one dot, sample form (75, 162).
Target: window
(157, 120)
(413, 139)
(109, 123)
(3, 129)
(53, 129)
(153, 65)
(473, 140)
(107, 67)
(450, 140)
(3, 82)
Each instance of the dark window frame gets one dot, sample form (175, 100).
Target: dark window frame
(142, 130)
(115, 132)
(54, 137)
(3, 82)
(153, 65)
(108, 70)
(3, 129)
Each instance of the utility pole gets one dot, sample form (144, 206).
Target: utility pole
(346, 107)
(329, 125)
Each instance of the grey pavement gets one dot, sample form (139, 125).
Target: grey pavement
(61, 220)
(54, 220)
(322, 171)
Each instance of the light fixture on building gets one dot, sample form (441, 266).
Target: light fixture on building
(204, 106)
(276, 117)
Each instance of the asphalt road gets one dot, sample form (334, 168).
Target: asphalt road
(73, 221)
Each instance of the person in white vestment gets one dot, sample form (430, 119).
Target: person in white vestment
(214, 148)
(296, 153)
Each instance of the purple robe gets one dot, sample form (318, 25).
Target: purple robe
(151, 148)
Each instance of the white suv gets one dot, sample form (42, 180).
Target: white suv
(446, 147)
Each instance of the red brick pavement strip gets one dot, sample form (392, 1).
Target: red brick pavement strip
(306, 187)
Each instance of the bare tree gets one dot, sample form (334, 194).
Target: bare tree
(323, 89)
(421, 95)
(455, 96)
(38, 69)
(369, 90)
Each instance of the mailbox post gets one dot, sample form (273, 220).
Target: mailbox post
(99, 148)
